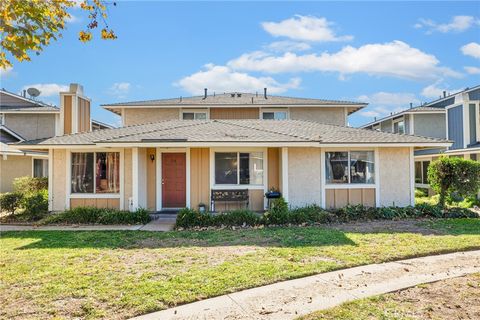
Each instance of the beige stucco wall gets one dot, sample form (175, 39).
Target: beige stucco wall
(59, 183)
(31, 126)
(323, 115)
(148, 115)
(11, 168)
(127, 176)
(304, 182)
(395, 176)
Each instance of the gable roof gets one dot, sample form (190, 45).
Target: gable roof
(233, 132)
(420, 109)
(236, 99)
(11, 135)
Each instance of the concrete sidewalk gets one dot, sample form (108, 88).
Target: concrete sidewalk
(294, 298)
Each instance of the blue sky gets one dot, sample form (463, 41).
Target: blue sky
(386, 53)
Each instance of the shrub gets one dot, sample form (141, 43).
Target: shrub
(235, 218)
(452, 177)
(27, 185)
(421, 193)
(310, 214)
(187, 218)
(35, 204)
(278, 214)
(10, 201)
(91, 215)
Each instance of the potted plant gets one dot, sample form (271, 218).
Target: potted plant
(273, 193)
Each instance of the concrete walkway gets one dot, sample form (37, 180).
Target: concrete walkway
(160, 224)
(294, 298)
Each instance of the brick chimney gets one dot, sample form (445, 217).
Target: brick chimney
(74, 111)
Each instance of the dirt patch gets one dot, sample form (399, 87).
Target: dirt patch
(457, 298)
(379, 226)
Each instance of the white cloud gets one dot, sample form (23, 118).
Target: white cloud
(396, 59)
(435, 91)
(48, 89)
(472, 70)
(72, 19)
(119, 89)
(457, 24)
(5, 72)
(471, 49)
(284, 46)
(223, 78)
(304, 28)
(384, 103)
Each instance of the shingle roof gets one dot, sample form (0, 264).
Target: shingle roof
(228, 99)
(40, 108)
(422, 109)
(234, 131)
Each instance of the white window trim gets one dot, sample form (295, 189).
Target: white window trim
(68, 187)
(421, 184)
(214, 186)
(401, 119)
(264, 110)
(349, 185)
(206, 111)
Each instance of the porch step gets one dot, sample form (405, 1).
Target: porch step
(164, 216)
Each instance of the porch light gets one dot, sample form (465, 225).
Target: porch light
(152, 157)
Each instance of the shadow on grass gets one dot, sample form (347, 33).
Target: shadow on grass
(270, 237)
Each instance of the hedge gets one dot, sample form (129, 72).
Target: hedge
(281, 215)
(91, 215)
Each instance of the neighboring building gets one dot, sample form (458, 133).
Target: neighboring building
(231, 142)
(22, 119)
(455, 117)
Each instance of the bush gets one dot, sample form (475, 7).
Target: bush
(454, 177)
(421, 192)
(27, 185)
(10, 201)
(310, 214)
(91, 215)
(278, 214)
(35, 204)
(235, 218)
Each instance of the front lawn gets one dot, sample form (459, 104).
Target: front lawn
(456, 298)
(115, 274)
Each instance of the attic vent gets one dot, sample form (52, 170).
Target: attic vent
(239, 95)
(232, 95)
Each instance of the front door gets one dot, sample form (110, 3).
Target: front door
(173, 180)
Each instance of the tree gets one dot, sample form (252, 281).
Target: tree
(27, 26)
(454, 175)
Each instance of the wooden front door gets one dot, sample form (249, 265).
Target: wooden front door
(173, 180)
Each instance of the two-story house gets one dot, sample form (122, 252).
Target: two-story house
(455, 117)
(186, 151)
(22, 119)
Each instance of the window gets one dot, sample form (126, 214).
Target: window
(239, 168)
(350, 167)
(95, 172)
(194, 115)
(274, 115)
(421, 172)
(473, 156)
(399, 126)
(2, 119)
(376, 127)
(40, 168)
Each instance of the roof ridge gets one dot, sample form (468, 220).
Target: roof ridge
(266, 130)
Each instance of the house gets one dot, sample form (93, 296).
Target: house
(22, 119)
(183, 152)
(454, 117)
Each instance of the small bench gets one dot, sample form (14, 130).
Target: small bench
(239, 196)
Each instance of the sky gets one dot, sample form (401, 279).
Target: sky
(389, 54)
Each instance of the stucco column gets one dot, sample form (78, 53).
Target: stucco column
(139, 181)
(285, 173)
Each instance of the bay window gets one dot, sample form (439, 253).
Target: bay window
(95, 172)
(239, 168)
(350, 167)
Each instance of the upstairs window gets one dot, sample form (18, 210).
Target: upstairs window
(399, 126)
(194, 115)
(350, 167)
(2, 119)
(274, 115)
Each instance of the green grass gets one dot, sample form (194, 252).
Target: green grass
(125, 273)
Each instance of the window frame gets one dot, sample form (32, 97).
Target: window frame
(195, 111)
(70, 195)
(262, 186)
(2, 118)
(44, 167)
(350, 185)
(422, 183)
(275, 110)
(398, 120)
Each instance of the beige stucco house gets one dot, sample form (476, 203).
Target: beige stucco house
(175, 153)
(23, 118)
